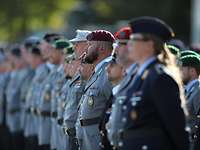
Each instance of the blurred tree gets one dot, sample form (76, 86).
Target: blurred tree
(17, 17)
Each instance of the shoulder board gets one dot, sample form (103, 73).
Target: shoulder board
(160, 69)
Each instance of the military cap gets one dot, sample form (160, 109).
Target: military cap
(152, 25)
(123, 35)
(35, 50)
(190, 60)
(51, 37)
(65, 45)
(173, 49)
(101, 35)
(188, 52)
(31, 41)
(80, 36)
(15, 51)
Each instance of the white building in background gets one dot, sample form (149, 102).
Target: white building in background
(195, 22)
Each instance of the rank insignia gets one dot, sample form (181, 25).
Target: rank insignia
(90, 101)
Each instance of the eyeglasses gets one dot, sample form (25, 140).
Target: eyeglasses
(138, 37)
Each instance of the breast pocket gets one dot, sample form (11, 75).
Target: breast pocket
(92, 97)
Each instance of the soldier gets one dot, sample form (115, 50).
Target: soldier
(97, 90)
(36, 61)
(42, 71)
(76, 86)
(152, 118)
(63, 47)
(55, 58)
(190, 73)
(4, 78)
(113, 126)
(13, 97)
(29, 43)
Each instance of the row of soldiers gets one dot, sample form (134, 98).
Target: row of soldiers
(101, 91)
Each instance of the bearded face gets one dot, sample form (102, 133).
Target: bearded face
(92, 54)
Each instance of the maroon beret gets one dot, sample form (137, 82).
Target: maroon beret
(101, 35)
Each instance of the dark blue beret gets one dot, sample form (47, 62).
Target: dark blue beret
(152, 25)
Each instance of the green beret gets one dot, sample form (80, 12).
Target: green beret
(190, 60)
(174, 50)
(188, 52)
(64, 45)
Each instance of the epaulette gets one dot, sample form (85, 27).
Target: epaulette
(159, 68)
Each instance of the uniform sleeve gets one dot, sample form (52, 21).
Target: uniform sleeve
(166, 98)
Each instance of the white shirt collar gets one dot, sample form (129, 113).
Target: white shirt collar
(145, 64)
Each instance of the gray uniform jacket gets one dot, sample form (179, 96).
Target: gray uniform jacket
(97, 93)
(13, 107)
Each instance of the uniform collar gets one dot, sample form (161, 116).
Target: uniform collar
(50, 65)
(130, 69)
(99, 65)
(60, 68)
(145, 65)
(191, 84)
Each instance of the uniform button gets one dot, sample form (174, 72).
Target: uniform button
(133, 103)
(120, 144)
(120, 102)
(196, 126)
(144, 147)
(198, 116)
(124, 107)
(120, 130)
(108, 130)
(124, 119)
(195, 136)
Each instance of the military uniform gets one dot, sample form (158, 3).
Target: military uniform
(113, 126)
(4, 133)
(192, 94)
(32, 101)
(56, 92)
(193, 105)
(44, 107)
(23, 92)
(76, 87)
(145, 116)
(62, 141)
(96, 95)
(13, 110)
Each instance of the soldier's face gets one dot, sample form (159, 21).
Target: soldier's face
(26, 55)
(140, 49)
(45, 49)
(80, 48)
(122, 51)
(115, 72)
(55, 56)
(91, 53)
(185, 72)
